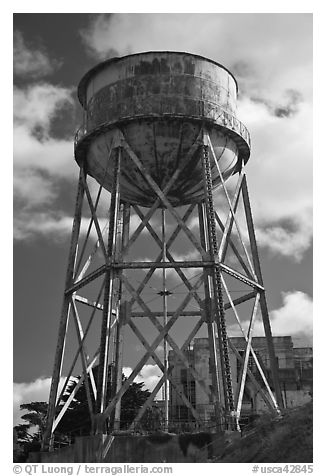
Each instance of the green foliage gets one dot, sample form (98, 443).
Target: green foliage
(131, 401)
(27, 440)
(76, 420)
(21, 433)
(37, 414)
(275, 440)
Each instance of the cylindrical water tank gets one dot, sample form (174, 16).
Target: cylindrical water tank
(160, 101)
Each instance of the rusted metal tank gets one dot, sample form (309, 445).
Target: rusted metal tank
(160, 101)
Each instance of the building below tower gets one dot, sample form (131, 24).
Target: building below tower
(295, 367)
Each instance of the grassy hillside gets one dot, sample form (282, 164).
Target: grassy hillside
(275, 440)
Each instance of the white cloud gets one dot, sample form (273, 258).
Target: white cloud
(27, 225)
(38, 104)
(31, 62)
(36, 391)
(280, 177)
(35, 152)
(280, 168)
(57, 225)
(286, 242)
(52, 156)
(257, 46)
(294, 318)
(31, 189)
(40, 160)
(150, 375)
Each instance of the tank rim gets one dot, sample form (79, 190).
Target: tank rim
(82, 86)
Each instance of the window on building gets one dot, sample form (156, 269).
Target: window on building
(184, 375)
(183, 413)
(189, 389)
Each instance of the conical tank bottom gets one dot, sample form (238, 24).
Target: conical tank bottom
(162, 146)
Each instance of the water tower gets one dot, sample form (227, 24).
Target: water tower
(161, 134)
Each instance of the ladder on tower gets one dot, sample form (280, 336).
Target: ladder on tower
(217, 283)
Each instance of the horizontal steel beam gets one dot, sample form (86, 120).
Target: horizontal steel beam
(169, 313)
(162, 264)
(159, 265)
(237, 301)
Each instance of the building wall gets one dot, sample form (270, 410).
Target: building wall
(295, 373)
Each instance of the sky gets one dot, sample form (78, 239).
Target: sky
(271, 57)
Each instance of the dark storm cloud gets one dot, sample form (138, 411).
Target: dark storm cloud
(289, 108)
(292, 106)
(31, 60)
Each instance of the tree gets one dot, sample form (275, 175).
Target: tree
(36, 416)
(132, 400)
(27, 440)
(76, 420)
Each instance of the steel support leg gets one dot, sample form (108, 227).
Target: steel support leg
(48, 437)
(108, 304)
(263, 302)
(123, 316)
